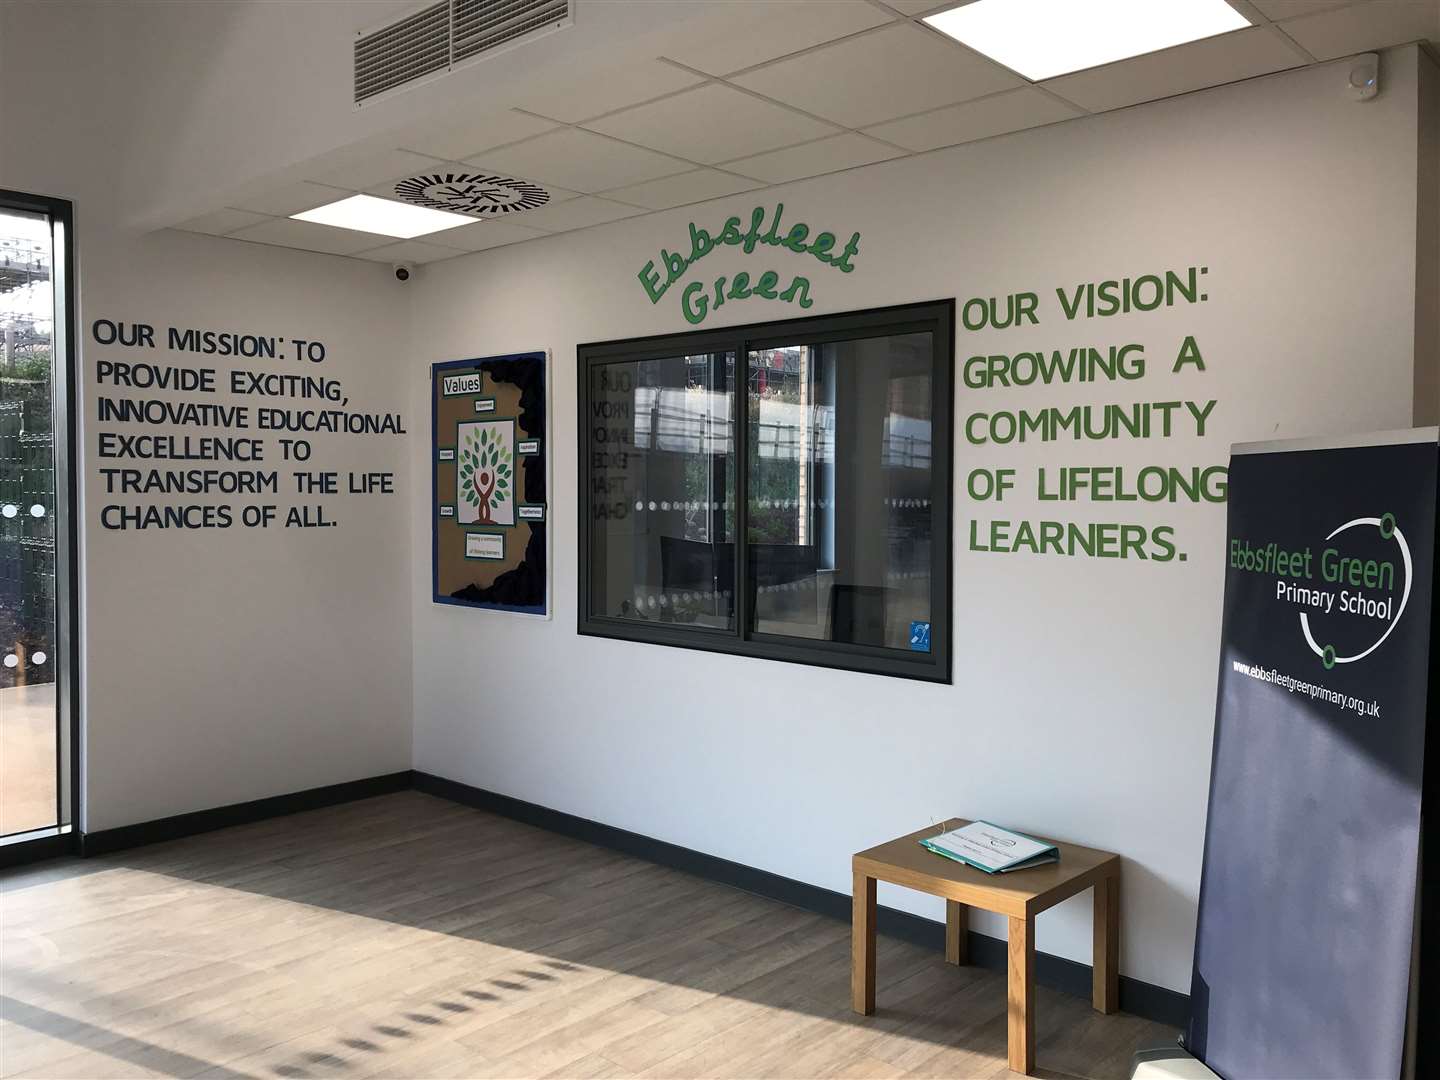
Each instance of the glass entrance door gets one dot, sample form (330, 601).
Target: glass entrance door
(36, 680)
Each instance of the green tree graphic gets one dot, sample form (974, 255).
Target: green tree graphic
(485, 470)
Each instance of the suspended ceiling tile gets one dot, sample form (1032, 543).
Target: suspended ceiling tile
(712, 123)
(577, 214)
(691, 187)
(774, 28)
(222, 221)
(814, 158)
(609, 89)
(1362, 27)
(484, 235)
(1216, 60)
(290, 199)
(473, 135)
(1289, 9)
(311, 237)
(411, 251)
(1010, 111)
(579, 160)
(367, 168)
(878, 76)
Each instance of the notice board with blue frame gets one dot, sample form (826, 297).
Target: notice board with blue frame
(488, 462)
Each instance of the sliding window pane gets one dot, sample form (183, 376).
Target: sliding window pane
(840, 496)
(662, 478)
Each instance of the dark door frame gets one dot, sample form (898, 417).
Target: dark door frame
(65, 390)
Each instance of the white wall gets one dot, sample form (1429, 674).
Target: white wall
(224, 665)
(220, 665)
(1427, 250)
(1082, 700)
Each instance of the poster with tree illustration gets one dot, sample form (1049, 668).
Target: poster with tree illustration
(484, 469)
(490, 474)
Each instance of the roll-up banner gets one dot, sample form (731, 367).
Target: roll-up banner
(1309, 883)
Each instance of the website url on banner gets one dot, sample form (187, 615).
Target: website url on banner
(1312, 690)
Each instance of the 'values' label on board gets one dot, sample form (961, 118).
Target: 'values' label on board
(454, 385)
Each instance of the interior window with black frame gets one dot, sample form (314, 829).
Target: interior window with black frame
(778, 490)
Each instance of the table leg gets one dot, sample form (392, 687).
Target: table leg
(862, 946)
(957, 932)
(1022, 995)
(1105, 961)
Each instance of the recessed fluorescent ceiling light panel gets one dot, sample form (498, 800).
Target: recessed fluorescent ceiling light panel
(1044, 38)
(366, 213)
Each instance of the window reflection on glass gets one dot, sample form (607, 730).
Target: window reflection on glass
(28, 744)
(839, 497)
(662, 469)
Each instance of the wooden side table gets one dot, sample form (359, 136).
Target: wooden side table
(1019, 895)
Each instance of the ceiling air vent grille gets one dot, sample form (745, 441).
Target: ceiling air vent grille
(441, 36)
(481, 25)
(406, 50)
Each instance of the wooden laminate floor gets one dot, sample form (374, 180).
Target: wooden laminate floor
(405, 936)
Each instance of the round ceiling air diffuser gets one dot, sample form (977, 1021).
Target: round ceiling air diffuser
(477, 194)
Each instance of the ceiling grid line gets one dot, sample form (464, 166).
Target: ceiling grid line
(704, 81)
(798, 53)
(1302, 54)
(1256, 14)
(841, 128)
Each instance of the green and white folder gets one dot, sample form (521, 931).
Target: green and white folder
(992, 849)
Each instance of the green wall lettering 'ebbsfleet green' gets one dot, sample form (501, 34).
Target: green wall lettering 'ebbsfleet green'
(697, 301)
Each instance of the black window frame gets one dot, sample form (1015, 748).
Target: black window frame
(935, 317)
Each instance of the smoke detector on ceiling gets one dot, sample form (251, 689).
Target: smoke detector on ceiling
(480, 195)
